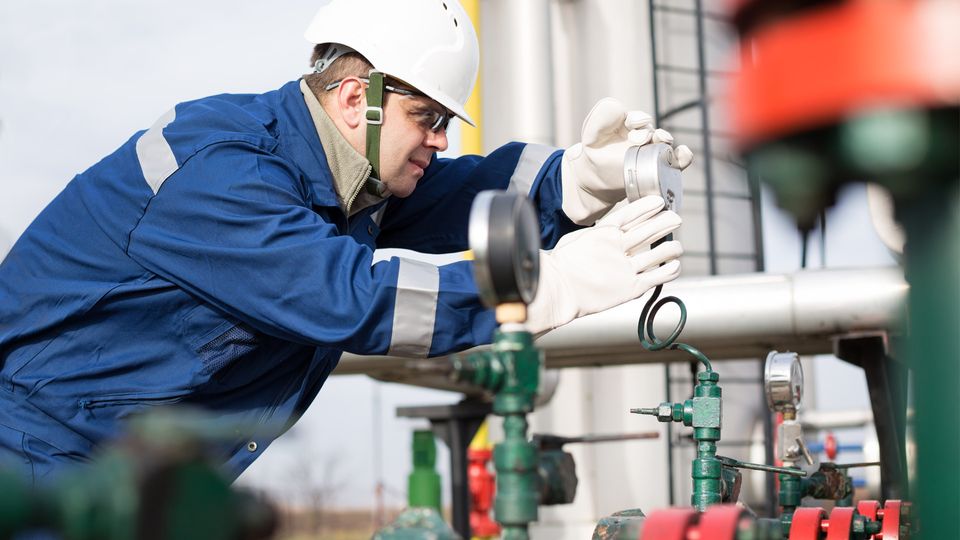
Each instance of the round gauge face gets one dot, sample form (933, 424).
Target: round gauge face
(783, 381)
(526, 250)
(505, 240)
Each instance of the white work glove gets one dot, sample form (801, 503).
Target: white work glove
(603, 266)
(592, 171)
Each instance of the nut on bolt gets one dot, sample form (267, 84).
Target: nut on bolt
(665, 412)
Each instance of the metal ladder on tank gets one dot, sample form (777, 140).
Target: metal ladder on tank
(666, 118)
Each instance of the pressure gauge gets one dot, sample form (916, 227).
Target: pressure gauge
(647, 171)
(783, 381)
(505, 240)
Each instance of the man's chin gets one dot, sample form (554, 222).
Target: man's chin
(401, 189)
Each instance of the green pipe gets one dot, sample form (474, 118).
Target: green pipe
(511, 370)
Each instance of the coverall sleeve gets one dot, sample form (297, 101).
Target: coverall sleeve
(434, 218)
(232, 227)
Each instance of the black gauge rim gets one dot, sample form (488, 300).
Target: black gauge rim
(505, 240)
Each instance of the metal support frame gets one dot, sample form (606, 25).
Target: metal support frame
(887, 384)
(770, 481)
(705, 124)
(455, 425)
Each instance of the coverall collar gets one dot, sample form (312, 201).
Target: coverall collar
(350, 169)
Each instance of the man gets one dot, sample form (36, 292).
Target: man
(223, 258)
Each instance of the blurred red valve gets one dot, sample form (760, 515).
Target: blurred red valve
(720, 522)
(830, 446)
(482, 485)
(868, 521)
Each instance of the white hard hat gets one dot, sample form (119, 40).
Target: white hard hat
(429, 44)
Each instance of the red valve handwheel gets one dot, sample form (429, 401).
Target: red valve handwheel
(668, 524)
(822, 65)
(890, 528)
(840, 524)
(806, 523)
(720, 522)
(868, 509)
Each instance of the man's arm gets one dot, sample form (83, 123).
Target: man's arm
(232, 227)
(434, 218)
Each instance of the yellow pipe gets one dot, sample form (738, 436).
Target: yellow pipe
(471, 138)
(481, 441)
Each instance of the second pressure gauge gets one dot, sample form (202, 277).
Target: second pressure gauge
(505, 240)
(783, 381)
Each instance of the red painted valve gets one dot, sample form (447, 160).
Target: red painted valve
(813, 524)
(830, 447)
(868, 509)
(726, 522)
(482, 488)
(890, 516)
(720, 522)
(807, 522)
(840, 526)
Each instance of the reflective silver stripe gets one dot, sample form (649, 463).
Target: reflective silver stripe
(418, 286)
(531, 161)
(156, 157)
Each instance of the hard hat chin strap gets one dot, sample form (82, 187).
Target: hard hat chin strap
(374, 115)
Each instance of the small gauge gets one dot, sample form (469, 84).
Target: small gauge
(783, 381)
(505, 240)
(647, 171)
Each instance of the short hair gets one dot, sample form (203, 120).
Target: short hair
(351, 64)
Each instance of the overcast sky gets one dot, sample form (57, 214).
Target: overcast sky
(78, 78)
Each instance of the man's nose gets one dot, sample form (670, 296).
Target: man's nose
(438, 139)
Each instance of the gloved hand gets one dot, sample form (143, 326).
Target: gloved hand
(603, 266)
(592, 171)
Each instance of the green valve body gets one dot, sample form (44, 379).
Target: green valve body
(423, 485)
(704, 413)
(829, 483)
(790, 494)
(912, 151)
(511, 370)
(129, 493)
(791, 491)
(706, 422)
(417, 524)
(422, 518)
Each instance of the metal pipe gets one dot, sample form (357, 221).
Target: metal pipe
(729, 317)
(519, 52)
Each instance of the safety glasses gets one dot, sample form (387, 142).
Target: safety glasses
(427, 117)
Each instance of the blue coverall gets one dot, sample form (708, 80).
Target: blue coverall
(207, 262)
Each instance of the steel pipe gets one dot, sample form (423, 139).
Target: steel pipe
(729, 317)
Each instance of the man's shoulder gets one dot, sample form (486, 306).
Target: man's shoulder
(233, 131)
(247, 118)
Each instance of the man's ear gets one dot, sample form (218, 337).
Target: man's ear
(351, 102)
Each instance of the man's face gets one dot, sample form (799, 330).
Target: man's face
(407, 142)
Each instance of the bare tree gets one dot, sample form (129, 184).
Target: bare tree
(314, 482)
